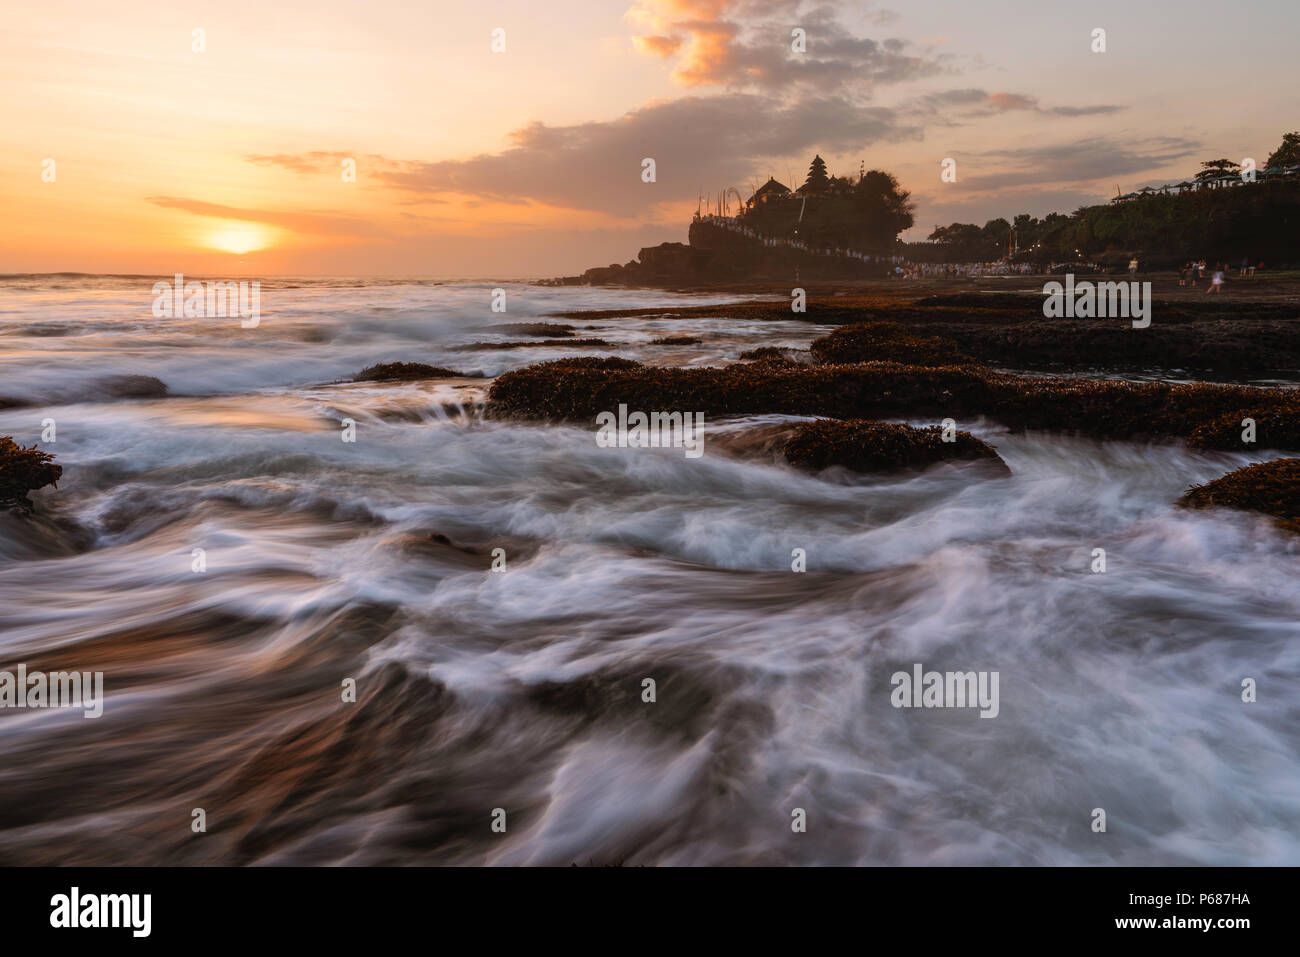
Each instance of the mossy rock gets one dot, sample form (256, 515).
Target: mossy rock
(529, 344)
(866, 446)
(775, 354)
(1273, 430)
(542, 330)
(886, 342)
(24, 470)
(403, 372)
(1272, 488)
(1098, 408)
(1009, 330)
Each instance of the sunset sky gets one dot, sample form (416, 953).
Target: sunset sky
(526, 163)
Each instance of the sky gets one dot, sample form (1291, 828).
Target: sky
(213, 138)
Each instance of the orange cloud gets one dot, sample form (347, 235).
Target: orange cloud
(747, 44)
(659, 46)
(1012, 101)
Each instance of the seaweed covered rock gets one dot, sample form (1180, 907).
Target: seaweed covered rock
(887, 342)
(128, 387)
(1008, 330)
(1246, 429)
(1098, 408)
(867, 446)
(1272, 488)
(542, 330)
(527, 344)
(403, 372)
(776, 354)
(676, 341)
(22, 471)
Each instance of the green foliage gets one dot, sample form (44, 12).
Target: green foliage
(1257, 220)
(1217, 169)
(1288, 154)
(866, 215)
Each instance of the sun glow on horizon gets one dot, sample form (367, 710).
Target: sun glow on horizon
(240, 238)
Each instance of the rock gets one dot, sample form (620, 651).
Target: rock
(867, 446)
(1273, 430)
(887, 342)
(542, 330)
(1098, 408)
(528, 344)
(24, 470)
(404, 372)
(1272, 488)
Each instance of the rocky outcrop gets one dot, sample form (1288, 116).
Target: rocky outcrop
(577, 390)
(866, 446)
(1271, 488)
(404, 372)
(715, 253)
(24, 470)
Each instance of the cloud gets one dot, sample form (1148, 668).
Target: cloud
(746, 44)
(1084, 110)
(316, 161)
(1012, 101)
(976, 102)
(697, 143)
(1079, 161)
(659, 46)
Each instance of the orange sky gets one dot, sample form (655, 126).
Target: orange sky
(527, 162)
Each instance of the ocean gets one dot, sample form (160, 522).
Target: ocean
(230, 563)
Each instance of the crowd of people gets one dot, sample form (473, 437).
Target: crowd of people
(1195, 269)
(910, 270)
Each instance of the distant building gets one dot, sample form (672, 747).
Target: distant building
(769, 191)
(818, 182)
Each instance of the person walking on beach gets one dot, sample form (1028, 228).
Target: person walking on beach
(1217, 281)
(1182, 275)
(1245, 262)
(1133, 268)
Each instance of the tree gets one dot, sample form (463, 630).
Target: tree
(964, 242)
(1217, 169)
(883, 209)
(1288, 154)
(817, 180)
(866, 215)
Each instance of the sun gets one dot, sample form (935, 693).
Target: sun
(240, 238)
